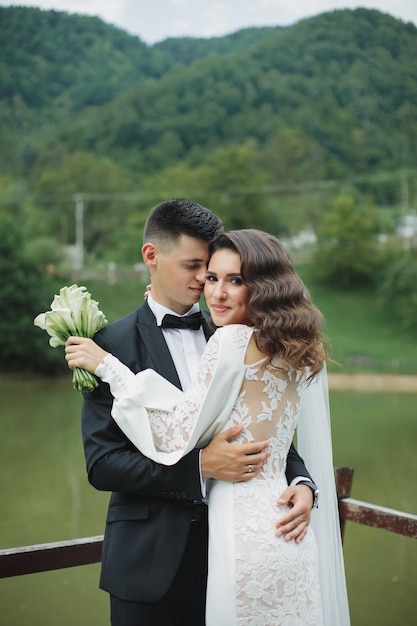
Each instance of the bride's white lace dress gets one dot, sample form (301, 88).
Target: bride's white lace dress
(254, 577)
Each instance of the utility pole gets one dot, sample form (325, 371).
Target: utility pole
(404, 193)
(79, 231)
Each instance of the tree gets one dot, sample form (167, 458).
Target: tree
(23, 294)
(43, 253)
(291, 157)
(100, 181)
(229, 182)
(346, 252)
(235, 187)
(398, 286)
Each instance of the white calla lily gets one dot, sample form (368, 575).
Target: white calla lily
(40, 321)
(73, 312)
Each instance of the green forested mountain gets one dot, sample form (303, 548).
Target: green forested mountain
(54, 65)
(186, 50)
(346, 79)
(88, 109)
(53, 59)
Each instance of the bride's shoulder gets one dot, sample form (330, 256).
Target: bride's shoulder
(236, 333)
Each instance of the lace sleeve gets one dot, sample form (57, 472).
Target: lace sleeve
(164, 423)
(172, 430)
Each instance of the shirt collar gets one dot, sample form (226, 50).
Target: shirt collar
(159, 310)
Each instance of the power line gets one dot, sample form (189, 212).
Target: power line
(314, 185)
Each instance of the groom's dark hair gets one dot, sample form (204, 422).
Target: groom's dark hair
(170, 219)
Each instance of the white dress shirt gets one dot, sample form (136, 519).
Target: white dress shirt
(186, 346)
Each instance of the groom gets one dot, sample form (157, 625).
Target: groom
(154, 562)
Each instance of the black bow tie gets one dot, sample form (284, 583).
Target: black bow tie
(191, 322)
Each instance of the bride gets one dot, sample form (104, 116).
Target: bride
(264, 368)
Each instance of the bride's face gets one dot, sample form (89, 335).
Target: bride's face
(226, 294)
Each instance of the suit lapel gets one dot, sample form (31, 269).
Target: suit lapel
(154, 353)
(207, 325)
(153, 348)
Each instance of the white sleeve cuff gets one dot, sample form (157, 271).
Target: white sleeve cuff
(299, 479)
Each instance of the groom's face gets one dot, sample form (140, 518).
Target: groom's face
(178, 272)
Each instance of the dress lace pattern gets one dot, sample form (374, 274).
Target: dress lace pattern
(275, 582)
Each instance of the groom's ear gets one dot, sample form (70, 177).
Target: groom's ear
(149, 254)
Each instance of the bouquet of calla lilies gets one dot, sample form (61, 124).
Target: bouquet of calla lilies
(73, 312)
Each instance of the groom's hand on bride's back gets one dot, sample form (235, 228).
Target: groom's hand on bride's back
(223, 459)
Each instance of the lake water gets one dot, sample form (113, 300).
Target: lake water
(46, 497)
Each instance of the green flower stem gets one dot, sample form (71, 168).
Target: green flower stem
(83, 380)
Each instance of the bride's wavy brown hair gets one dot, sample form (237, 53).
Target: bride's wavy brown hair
(279, 306)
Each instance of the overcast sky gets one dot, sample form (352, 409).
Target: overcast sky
(154, 20)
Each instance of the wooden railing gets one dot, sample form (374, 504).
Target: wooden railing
(62, 554)
(45, 557)
(369, 514)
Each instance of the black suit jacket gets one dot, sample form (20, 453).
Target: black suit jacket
(150, 508)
